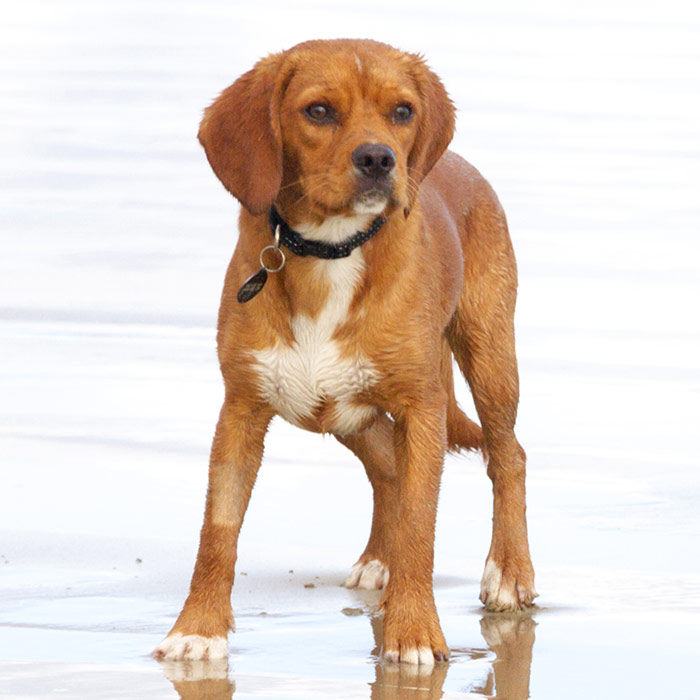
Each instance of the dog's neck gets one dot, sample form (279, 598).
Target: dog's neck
(322, 288)
(334, 237)
(335, 229)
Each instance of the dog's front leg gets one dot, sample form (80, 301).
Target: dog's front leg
(201, 630)
(412, 631)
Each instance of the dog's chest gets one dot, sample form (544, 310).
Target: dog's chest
(315, 381)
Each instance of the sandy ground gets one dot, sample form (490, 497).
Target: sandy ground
(115, 239)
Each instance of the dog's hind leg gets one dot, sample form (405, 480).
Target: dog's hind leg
(375, 449)
(482, 339)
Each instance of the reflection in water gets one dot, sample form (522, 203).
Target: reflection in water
(200, 680)
(509, 637)
(395, 681)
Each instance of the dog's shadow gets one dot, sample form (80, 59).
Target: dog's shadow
(509, 637)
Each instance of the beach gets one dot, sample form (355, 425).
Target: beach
(116, 238)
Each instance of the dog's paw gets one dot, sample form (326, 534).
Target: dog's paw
(502, 590)
(370, 575)
(415, 656)
(411, 631)
(176, 647)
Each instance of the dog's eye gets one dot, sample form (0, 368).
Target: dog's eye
(402, 113)
(319, 112)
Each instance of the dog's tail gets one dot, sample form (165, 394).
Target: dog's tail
(462, 432)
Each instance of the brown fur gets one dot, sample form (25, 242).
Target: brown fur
(440, 280)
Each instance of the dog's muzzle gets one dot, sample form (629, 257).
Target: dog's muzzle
(374, 169)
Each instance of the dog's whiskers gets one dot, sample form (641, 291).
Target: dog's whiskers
(300, 181)
(311, 191)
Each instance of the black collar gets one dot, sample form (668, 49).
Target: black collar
(319, 249)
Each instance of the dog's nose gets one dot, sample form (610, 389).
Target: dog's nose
(374, 160)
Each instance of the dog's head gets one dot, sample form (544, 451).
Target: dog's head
(337, 127)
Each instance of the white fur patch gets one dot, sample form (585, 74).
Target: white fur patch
(297, 379)
(335, 229)
(371, 576)
(415, 656)
(371, 204)
(176, 647)
(358, 63)
(493, 595)
(391, 655)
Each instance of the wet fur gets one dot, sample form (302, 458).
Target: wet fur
(363, 347)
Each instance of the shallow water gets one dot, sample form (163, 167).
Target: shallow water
(116, 238)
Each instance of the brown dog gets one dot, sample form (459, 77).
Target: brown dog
(393, 257)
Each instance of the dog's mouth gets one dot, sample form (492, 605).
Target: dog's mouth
(372, 201)
(368, 198)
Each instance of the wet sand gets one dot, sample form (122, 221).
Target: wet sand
(117, 237)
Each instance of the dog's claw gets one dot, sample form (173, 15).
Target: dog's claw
(176, 647)
(424, 657)
(370, 575)
(503, 592)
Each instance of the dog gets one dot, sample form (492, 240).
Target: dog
(368, 258)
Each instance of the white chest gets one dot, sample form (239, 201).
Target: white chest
(299, 378)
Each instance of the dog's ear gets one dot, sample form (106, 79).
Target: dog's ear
(437, 124)
(240, 133)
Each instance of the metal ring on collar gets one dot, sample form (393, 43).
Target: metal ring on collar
(282, 261)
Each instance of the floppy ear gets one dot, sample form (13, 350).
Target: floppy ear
(436, 126)
(241, 135)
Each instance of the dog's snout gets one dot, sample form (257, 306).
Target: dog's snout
(374, 160)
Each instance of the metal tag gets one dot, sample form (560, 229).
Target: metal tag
(252, 286)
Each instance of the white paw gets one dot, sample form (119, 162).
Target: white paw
(370, 576)
(416, 656)
(499, 594)
(176, 647)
